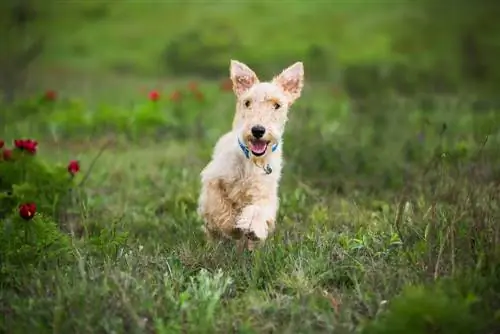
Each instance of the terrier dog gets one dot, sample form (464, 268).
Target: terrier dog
(239, 194)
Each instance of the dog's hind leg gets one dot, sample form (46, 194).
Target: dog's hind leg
(217, 211)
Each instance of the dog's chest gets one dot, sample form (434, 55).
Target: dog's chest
(244, 186)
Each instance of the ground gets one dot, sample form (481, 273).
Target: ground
(360, 222)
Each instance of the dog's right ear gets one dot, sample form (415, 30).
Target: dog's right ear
(242, 77)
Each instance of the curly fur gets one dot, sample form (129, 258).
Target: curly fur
(238, 199)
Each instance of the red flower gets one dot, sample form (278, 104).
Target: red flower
(175, 96)
(193, 86)
(2, 143)
(50, 95)
(28, 145)
(154, 95)
(27, 211)
(7, 154)
(226, 85)
(199, 96)
(337, 91)
(73, 167)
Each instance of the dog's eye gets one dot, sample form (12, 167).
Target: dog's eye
(277, 106)
(247, 103)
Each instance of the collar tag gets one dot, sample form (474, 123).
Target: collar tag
(268, 169)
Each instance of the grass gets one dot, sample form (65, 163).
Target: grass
(374, 230)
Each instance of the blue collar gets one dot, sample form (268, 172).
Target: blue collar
(246, 151)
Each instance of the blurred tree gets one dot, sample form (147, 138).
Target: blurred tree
(202, 52)
(22, 42)
(436, 47)
(457, 43)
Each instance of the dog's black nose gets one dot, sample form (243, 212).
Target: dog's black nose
(258, 131)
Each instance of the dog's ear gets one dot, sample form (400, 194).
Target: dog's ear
(291, 80)
(242, 77)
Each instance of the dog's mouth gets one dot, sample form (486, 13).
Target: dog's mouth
(258, 147)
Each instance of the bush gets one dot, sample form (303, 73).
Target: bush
(178, 114)
(33, 195)
(27, 179)
(420, 310)
(215, 42)
(27, 244)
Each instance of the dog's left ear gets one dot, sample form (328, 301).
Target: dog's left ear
(242, 76)
(291, 80)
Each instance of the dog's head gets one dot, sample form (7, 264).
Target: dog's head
(262, 107)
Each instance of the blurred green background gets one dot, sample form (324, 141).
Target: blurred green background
(364, 47)
(381, 75)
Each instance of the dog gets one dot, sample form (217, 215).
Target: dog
(239, 192)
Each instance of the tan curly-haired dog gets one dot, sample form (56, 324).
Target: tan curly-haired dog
(239, 195)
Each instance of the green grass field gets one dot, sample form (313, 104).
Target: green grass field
(389, 205)
(361, 220)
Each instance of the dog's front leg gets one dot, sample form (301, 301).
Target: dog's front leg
(216, 210)
(257, 219)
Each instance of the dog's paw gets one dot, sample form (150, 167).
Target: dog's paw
(258, 231)
(245, 220)
(252, 223)
(241, 228)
